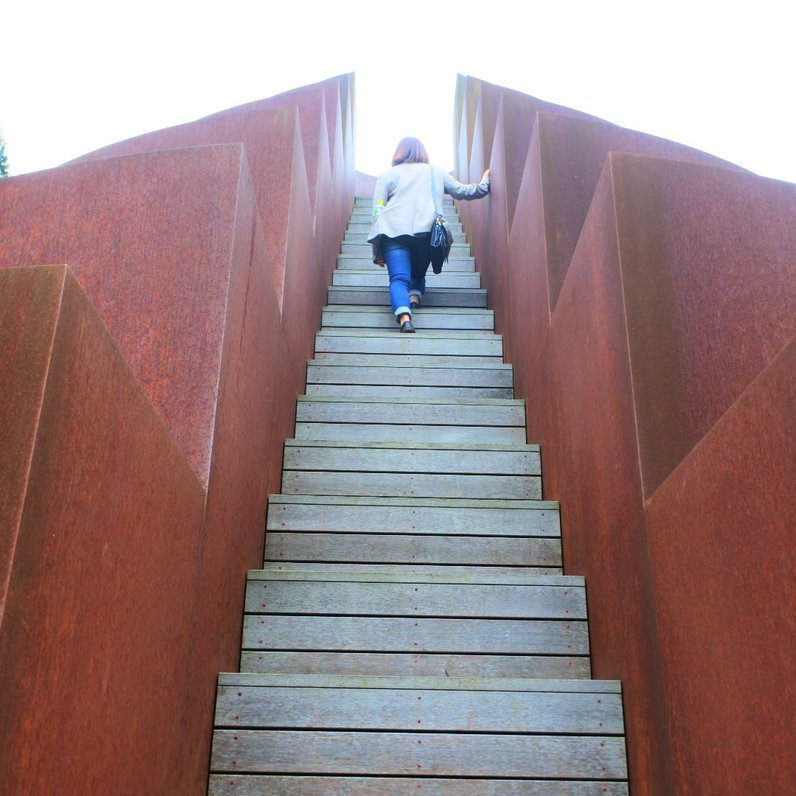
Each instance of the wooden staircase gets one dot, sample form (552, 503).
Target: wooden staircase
(411, 629)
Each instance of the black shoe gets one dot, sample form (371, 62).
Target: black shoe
(407, 328)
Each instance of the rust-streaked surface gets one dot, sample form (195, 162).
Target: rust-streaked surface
(198, 311)
(646, 297)
(96, 630)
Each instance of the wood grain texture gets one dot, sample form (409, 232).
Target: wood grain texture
(346, 316)
(464, 754)
(432, 342)
(408, 549)
(421, 375)
(265, 785)
(384, 432)
(417, 665)
(410, 457)
(404, 391)
(389, 515)
(410, 634)
(415, 599)
(448, 360)
(309, 482)
(419, 709)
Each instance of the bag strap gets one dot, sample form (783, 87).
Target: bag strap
(434, 191)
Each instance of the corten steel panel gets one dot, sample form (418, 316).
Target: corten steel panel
(473, 93)
(321, 114)
(249, 124)
(721, 549)
(255, 411)
(573, 154)
(709, 269)
(29, 305)
(590, 458)
(527, 304)
(632, 322)
(268, 137)
(96, 635)
(149, 237)
(573, 148)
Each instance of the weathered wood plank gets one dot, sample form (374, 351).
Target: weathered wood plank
(446, 360)
(430, 342)
(431, 412)
(419, 709)
(422, 375)
(415, 599)
(531, 505)
(415, 634)
(307, 482)
(522, 684)
(408, 362)
(380, 297)
(348, 316)
(463, 754)
(382, 432)
(372, 391)
(298, 785)
(410, 457)
(406, 664)
(298, 572)
(413, 549)
(420, 567)
(427, 515)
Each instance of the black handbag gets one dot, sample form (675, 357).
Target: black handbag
(441, 235)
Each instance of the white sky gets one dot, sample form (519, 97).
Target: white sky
(715, 75)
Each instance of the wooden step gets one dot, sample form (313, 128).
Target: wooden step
(386, 432)
(430, 704)
(474, 550)
(448, 535)
(402, 391)
(373, 278)
(353, 317)
(297, 785)
(427, 516)
(380, 297)
(445, 360)
(400, 419)
(432, 342)
(411, 469)
(417, 665)
(367, 594)
(320, 725)
(415, 634)
(410, 374)
(415, 457)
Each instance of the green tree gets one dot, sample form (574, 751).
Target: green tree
(3, 158)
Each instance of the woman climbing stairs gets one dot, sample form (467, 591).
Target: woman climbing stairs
(411, 628)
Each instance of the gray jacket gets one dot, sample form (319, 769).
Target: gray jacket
(403, 203)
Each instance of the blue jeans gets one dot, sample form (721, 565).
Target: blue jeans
(407, 258)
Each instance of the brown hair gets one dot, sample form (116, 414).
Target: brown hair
(409, 150)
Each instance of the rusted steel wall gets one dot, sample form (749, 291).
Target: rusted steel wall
(647, 292)
(147, 387)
